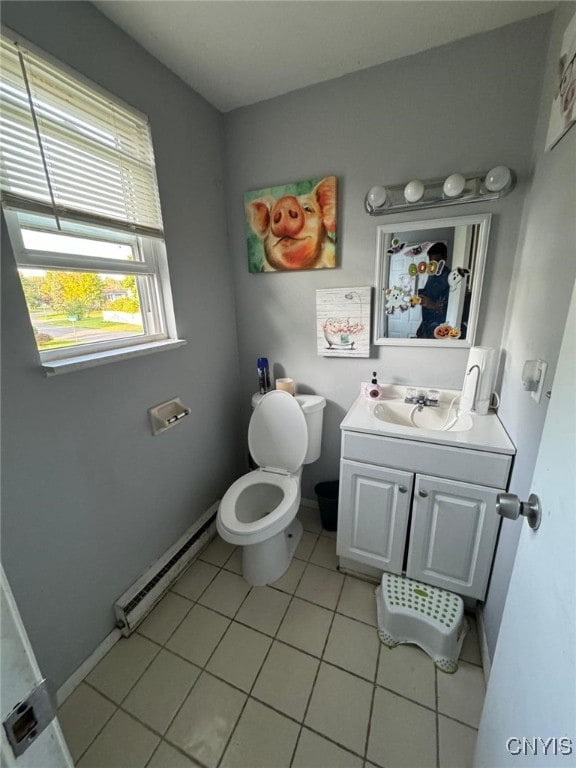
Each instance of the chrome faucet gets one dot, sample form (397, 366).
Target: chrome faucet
(475, 395)
(421, 400)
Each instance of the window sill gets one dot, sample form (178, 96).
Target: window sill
(56, 367)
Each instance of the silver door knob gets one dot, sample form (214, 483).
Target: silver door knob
(509, 505)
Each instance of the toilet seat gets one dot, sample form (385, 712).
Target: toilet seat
(237, 532)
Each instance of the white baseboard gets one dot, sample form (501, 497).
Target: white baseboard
(86, 667)
(310, 503)
(484, 652)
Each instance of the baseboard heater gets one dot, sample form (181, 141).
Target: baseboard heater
(135, 604)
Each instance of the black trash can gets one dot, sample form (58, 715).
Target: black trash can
(327, 494)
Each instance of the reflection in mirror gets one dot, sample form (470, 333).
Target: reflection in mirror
(428, 281)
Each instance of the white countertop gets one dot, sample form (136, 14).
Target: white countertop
(486, 433)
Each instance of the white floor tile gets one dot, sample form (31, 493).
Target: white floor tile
(195, 580)
(340, 707)
(324, 553)
(82, 717)
(306, 545)
(289, 581)
(461, 695)
(234, 562)
(320, 586)
(239, 656)
(217, 552)
(198, 635)
(402, 734)
(306, 626)
(165, 617)
(123, 743)
(262, 739)
(409, 671)
(286, 680)
(457, 743)
(358, 600)
(354, 646)
(158, 694)
(122, 666)
(206, 720)
(314, 751)
(226, 593)
(168, 757)
(264, 609)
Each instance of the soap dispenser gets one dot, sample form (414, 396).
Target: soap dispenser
(373, 391)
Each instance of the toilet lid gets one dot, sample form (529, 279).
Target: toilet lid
(278, 435)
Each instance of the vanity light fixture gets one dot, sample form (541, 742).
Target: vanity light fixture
(455, 189)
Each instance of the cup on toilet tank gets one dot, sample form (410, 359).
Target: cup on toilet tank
(286, 385)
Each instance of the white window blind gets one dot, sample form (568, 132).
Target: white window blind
(69, 149)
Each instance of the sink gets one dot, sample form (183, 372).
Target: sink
(443, 418)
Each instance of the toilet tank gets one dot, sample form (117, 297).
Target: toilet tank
(313, 407)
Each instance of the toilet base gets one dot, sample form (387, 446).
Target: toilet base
(266, 562)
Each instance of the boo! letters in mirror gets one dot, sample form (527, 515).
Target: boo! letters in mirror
(428, 281)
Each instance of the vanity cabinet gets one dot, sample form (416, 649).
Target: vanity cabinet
(428, 509)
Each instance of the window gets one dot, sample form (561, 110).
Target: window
(81, 202)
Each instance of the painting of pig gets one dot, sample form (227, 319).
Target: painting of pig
(292, 227)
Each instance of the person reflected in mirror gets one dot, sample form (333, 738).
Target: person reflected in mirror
(434, 295)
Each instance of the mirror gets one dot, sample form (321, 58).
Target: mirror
(428, 281)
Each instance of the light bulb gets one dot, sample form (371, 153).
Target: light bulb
(498, 178)
(377, 197)
(414, 191)
(454, 185)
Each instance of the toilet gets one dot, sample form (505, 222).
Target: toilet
(258, 511)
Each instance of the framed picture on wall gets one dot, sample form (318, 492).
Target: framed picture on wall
(292, 227)
(343, 321)
(563, 113)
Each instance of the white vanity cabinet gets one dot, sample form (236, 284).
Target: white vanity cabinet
(453, 535)
(373, 531)
(427, 509)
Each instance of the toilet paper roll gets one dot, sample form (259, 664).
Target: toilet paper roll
(286, 385)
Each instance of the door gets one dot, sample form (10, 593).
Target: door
(529, 715)
(453, 535)
(20, 675)
(373, 514)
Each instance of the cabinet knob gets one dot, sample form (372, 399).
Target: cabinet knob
(402, 488)
(424, 494)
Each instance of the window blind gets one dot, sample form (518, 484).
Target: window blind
(69, 148)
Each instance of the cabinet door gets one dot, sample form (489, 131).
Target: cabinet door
(453, 535)
(373, 514)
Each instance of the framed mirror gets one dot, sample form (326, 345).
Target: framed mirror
(429, 280)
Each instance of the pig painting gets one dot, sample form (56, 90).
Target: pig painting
(292, 227)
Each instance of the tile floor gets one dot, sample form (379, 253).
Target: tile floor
(221, 675)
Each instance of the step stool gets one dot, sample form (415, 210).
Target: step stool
(432, 618)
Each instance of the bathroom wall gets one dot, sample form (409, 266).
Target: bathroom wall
(544, 275)
(89, 497)
(464, 106)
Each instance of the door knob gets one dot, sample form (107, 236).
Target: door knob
(403, 489)
(509, 505)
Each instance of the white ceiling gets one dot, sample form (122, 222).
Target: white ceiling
(239, 52)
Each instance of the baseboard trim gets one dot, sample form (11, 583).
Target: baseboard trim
(86, 667)
(310, 503)
(484, 652)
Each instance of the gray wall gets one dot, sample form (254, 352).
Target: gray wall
(464, 106)
(544, 275)
(90, 497)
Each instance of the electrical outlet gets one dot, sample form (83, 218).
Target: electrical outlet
(537, 393)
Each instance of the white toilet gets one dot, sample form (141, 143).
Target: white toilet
(258, 511)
